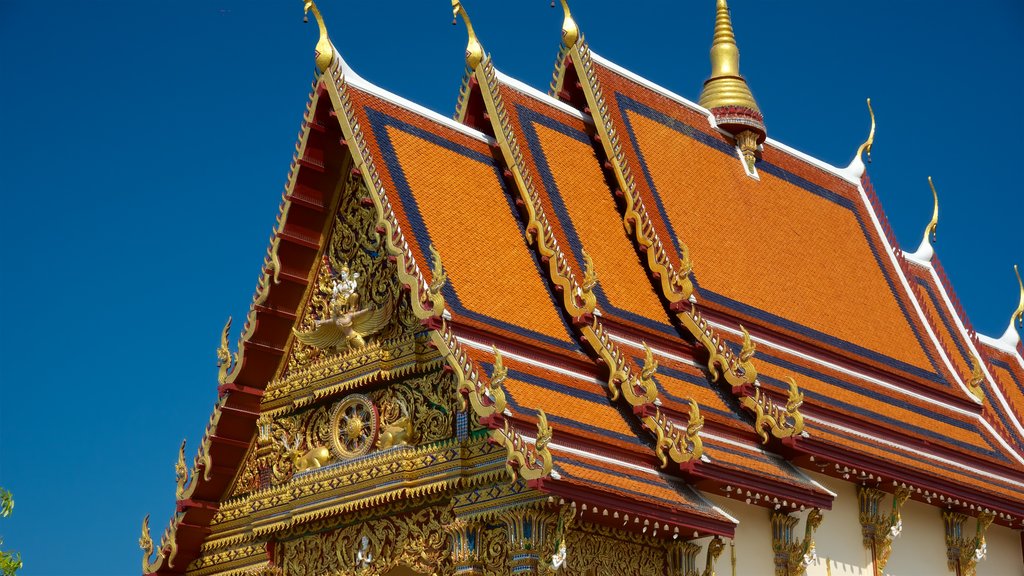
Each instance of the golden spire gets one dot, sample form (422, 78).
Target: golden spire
(866, 146)
(726, 93)
(726, 87)
(929, 232)
(474, 50)
(324, 49)
(570, 31)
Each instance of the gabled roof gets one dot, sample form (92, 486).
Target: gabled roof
(798, 252)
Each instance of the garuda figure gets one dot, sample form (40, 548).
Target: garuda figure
(348, 325)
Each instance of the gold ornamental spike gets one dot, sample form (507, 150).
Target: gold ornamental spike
(1018, 315)
(866, 146)
(726, 87)
(570, 31)
(474, 50)
(930, 231)
(324, 49)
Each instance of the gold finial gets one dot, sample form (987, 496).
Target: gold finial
(929, 232)
(324, 49)
(1018, 315)
(977, 377)
(726, 87)
(570, 31)
(866, 146)
(726, 93)
(474, 50)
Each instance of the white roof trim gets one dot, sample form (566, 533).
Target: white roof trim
(911, 450)
(532, 361)
(840, 172)
(532, 92)
(361, 83)
(1001, 344)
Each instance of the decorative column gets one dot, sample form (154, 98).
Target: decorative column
(527, 532)
(682, 558)
(963, 553)
(879, 530)
(793, 555)
(466, 537)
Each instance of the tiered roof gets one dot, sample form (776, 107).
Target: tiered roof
(683, 321)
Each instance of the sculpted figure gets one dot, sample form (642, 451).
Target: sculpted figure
(348, 325)
(363, 555)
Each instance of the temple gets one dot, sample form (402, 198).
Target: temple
(602, 330)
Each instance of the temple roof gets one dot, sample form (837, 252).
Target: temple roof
(613, 246)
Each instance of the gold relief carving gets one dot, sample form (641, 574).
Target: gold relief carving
(793, 556)
(962, 552)
(252, 558)
(356, 292)
(781, 422)
(348, 325)
(420, 410)
(597, 549)
(880, 530)
(495, 557)
(417, 540)
(354, 426)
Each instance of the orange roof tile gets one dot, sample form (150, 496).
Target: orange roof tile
(450, 193)
(831, 282)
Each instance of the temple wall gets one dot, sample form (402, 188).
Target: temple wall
(1004, 553)
(753, 540)
(919, 550)
(838, 539)
(921, 547)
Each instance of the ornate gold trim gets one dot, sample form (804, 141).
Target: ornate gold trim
(962, 552)
(781, 422)
(793, 556)
(865, 148)
(880, 530)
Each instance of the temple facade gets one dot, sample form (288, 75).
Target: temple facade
(602, 330)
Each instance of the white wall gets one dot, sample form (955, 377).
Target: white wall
(920, 550)
(754, 556)
(1004, 553)
(838, 540)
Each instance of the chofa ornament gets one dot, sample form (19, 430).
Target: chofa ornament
(347, 325)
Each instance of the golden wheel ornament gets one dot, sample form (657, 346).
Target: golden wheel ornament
(354, 426)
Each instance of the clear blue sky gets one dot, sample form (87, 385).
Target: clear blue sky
(144, 147)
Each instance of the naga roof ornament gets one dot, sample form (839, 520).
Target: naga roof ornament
(474, 50)
(1011, 337)
(726, 93)
(570, 31)
(925, 251)
(324, 49)
(856, 168)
